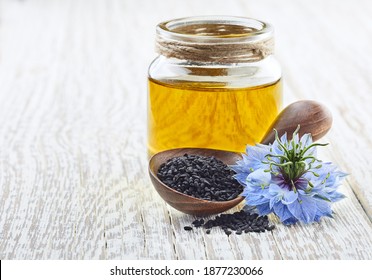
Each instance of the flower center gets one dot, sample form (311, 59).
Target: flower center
(293, 159)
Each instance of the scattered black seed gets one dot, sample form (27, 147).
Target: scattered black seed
(201, 177)
(270, 228)
(198, 223)
(187, 228)
(242, 221)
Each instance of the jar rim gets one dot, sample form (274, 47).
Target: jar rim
(193, 29)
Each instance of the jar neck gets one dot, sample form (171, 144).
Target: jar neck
(211, 39)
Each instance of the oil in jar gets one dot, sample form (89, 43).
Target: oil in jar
(201, 115)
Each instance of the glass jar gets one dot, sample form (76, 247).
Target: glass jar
(215, 84)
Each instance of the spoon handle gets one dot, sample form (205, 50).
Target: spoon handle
(312, 117)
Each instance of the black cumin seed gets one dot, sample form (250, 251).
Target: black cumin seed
(270, 228)
(199, 176)
(239, 222)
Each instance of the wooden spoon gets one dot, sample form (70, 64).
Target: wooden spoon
(313, 118)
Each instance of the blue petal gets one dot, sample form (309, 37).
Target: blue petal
(336, 196)
(257, 191)
(259, 178)
(275, 194)
(255, 157)
(275, 147)
(323, 208)
(306, 140)
(279, 194)
(251, 161)
(282, 211)
(238, 168)
(290, 221)
(326, 185)
(289, 197)
(253, 199)
(274, 200)
(241, 178)
(258, 151)
(274, 189)
(329, 176)
(283, 139)
(303, 209)
(264, 209)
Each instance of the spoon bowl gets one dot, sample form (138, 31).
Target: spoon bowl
(312, 117)
(186, 203)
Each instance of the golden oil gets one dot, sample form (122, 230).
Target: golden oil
(205, 115)
(214, 84)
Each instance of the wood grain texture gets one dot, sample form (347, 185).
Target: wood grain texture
(73, 163)
(306, 116)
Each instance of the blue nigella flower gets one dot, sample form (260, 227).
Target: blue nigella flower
(287, 179)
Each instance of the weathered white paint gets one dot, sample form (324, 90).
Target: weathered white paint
(73, 163)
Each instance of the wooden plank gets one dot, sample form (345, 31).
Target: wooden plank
(73, 173)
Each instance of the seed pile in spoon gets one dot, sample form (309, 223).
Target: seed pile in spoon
(201, 177)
